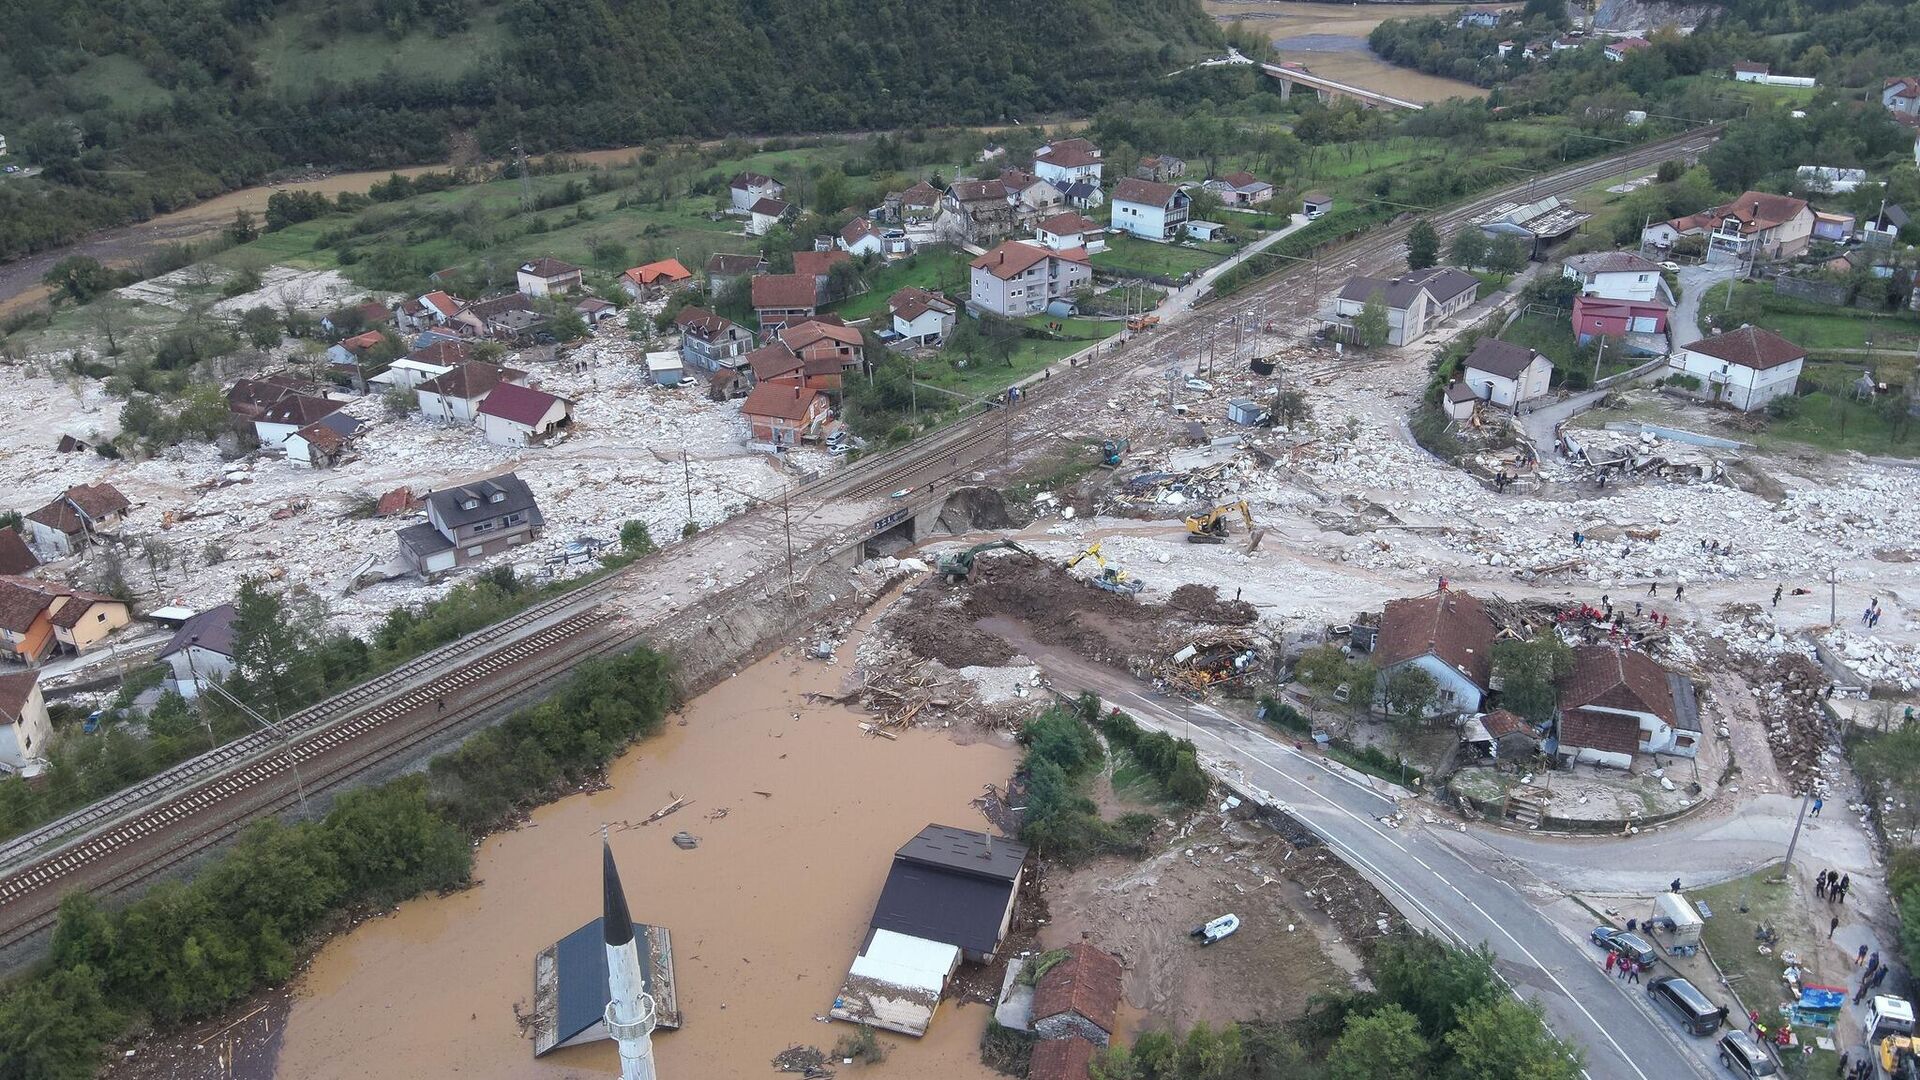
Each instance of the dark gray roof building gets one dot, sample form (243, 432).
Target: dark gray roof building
(484, 500)
(211, 630)
(954, 886)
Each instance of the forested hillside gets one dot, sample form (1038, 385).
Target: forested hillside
(138, 106)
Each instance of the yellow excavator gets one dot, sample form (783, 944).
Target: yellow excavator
(1111, 578)
(1211, 527)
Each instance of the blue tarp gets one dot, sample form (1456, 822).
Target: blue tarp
(1822, 997)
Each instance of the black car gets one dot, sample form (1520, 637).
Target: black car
(1622, 944)
(1696, 1012)
(1740, 1053)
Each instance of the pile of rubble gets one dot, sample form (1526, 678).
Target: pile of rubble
(1878, 662)
(1788, 693)
(1627, 449)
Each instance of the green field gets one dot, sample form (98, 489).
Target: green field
(1146, 257)
(1808, 325)
(1769, 901)
(936, 269)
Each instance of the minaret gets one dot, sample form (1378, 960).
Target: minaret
(630, 1013)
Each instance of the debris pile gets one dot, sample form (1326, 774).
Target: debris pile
(1788, 694)
(1876, 660)
(1629, 450)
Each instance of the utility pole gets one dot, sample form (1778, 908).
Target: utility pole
(686, 468)
(1806, 800)
(526, 180)
(1598, 353)
(1833, 597)
(786, 524)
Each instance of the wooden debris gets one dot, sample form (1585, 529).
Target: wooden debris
(670, 808)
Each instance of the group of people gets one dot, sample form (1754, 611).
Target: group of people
(1872, 977)
(1623, 967)
(1860, 1070)
(1833, 888)
(1870, 618)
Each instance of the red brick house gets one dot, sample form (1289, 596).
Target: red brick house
(783, 414)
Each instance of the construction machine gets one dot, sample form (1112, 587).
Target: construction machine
(958, 566)
(1113, 450)
(1112, 578)
(1143, 322)
(1211, 527)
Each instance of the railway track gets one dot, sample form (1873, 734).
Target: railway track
(173, 815)
(176, 829)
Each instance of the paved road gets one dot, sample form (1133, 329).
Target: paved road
(1429, 880)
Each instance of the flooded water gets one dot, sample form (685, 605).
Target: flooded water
(1331, 39)
(766, 914)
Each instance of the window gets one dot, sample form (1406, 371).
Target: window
(497, 497)
(101, 617)
(515, 519)
(482, 526)
(475, 552)
(469, 504)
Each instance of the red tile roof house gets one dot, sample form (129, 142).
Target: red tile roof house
(724, 269)
(26, 622)
(519, 416)
(654, 277)
(547, 277)
(819, 266)
(351, 350)
(64, 525)
(1618, 702)
(921, 317)
(1018, 279)
(860, 237)
(782, 415)
(457, 395)
(764, 214)
(1079, 996)
(842, 347)
(15, 556)
(1061, 1059)
(1744, 368)
(1756, 223)
(1446, 634)
(779, 299)
(290, 414)
(1240, 189)
(322, 443)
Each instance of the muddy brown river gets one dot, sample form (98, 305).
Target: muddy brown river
(766, 914)
(1331, 39)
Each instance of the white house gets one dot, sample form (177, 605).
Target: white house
(1617, 702)
(201, 651)
(24, 727)
(1901, 94)
(290, 414)
(1018, 279)
(1446, 634)
(1240, 189)
(1063, 232)
(1617, 275)
(764, 214)
(921, 317)
(520, 416)
(748, 188)
(323, 442)
(1068, 161)
(547, 277)
(407, 373)
(1148, 210)
(860, 237)
(1415, 302)
(1502, 373)
(456, 396)
(1744, 368)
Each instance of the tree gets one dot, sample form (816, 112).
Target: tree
(1370, 327)
(1506, 254)
(1505, 1039)
(635, 540)
(109, 320)
(261, 327)
(1001, 336)
(1423, 245)
(1409, 692)
(243, 230)
(80, 278)
(1469, 247)
(1384, 1045)
(1530, 673)
(1289, 407)
(276, 637)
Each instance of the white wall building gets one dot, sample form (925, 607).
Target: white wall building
(24, 727)
(1505, 374)
(201, 651)
(1617, 275)
(1018, 279)
(1744, 368)
(1067, 161)
(1148, 210)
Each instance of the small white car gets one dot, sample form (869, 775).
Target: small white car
(1672, 267)
(1201, 385)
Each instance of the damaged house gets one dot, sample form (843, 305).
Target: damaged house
(471, 522)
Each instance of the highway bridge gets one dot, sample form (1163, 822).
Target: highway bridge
(1292, 75)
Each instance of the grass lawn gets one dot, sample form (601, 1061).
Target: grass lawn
(1832, 419)
(1808, 325)
(1756, 978)
(1553, 338)
(937, 269)
(1146, 257)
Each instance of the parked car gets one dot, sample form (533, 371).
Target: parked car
(1684, 1002)
(1742, 1054)
(1673, 266)
(1200, 385)
(1622, 944)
